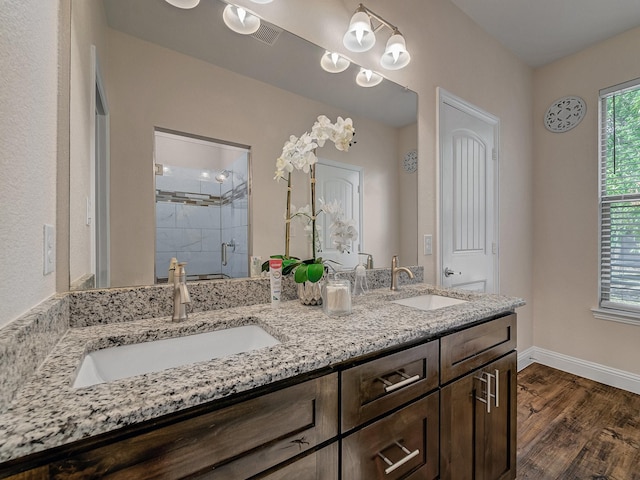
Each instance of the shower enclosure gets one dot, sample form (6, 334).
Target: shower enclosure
(202, 206)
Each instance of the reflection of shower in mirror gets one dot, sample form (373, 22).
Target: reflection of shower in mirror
(201, 206)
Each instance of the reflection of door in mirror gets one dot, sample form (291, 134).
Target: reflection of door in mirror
(202, 206)
(340, 182)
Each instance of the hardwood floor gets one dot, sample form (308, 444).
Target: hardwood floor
(573, 428)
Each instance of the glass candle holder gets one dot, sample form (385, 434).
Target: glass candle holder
(336, 297)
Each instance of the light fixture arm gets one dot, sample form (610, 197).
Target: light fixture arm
(382, 21)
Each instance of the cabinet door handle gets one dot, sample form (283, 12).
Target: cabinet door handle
(393, 466)
(486, 379)
(497, 383)
(390, 387)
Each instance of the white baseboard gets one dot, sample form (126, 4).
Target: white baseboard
(526, 358)
(593, 371)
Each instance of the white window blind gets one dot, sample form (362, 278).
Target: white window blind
(620, 197)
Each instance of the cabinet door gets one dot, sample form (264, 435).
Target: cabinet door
(403, 445)
(478, 439)
(320, 465)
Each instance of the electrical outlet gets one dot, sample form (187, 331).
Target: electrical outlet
(49, 249)
(428, 248)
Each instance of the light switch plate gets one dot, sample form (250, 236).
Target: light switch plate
(49, 249)
(428, 247)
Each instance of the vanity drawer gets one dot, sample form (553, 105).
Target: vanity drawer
(373, 388)
(235, 442)
(468, 349)
(409, 439)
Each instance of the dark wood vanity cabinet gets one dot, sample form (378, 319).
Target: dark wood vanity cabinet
(478, 412)
(445, 408)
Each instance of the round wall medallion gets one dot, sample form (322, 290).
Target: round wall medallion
(564, 114)
(410, 161)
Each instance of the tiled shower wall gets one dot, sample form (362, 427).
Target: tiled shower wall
(195, 233)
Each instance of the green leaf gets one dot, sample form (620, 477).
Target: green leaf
(315, 272)
(289, 266)
(301, 274)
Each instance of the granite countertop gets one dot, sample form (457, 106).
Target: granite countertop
(47, 412)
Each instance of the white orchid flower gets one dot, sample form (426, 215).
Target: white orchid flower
(322, 130)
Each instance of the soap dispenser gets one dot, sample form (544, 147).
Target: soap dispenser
(361, 286)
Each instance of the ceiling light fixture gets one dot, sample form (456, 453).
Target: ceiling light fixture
(360, 37)
(395, 55)
(262, 1)
(368, 78)
(186, 4)
(222, 176)
(333, 62)
(240, 20)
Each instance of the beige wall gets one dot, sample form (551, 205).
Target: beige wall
(449, 51)
(150, 86)
(566, 210)
(89, 27)
(28, 145)
(408, 253)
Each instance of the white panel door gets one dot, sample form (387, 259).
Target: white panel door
(341, 182)
(468, 199)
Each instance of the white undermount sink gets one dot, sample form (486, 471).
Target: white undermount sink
(114, 363)
(429, 302)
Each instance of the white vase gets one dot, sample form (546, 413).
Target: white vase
(310, 293)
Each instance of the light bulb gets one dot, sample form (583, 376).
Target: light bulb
(333, 62)
(368, 78)
(395, 54)
(359, 36)
(240, 20)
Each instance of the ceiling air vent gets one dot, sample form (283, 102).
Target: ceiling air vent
(267, 33)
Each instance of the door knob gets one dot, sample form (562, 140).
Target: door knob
(448, 272)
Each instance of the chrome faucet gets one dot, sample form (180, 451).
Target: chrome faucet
(395, 270)
(180, 293)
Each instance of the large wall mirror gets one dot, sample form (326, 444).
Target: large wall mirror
(144, 66)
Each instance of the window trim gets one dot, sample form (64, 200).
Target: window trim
(608, 310)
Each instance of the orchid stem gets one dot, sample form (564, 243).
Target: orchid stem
(313, 211)
(287, 232)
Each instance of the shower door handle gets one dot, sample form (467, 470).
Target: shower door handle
(224, 254)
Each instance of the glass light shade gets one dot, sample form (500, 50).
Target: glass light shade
(334, 62)
(359, 36)
(262, 1)
(239, 20)
(183, 3)
(367, 78)
(395, 55)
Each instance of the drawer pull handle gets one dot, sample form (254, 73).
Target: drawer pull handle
(394, 466)
(390, 387)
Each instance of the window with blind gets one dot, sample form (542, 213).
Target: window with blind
(620, 198)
